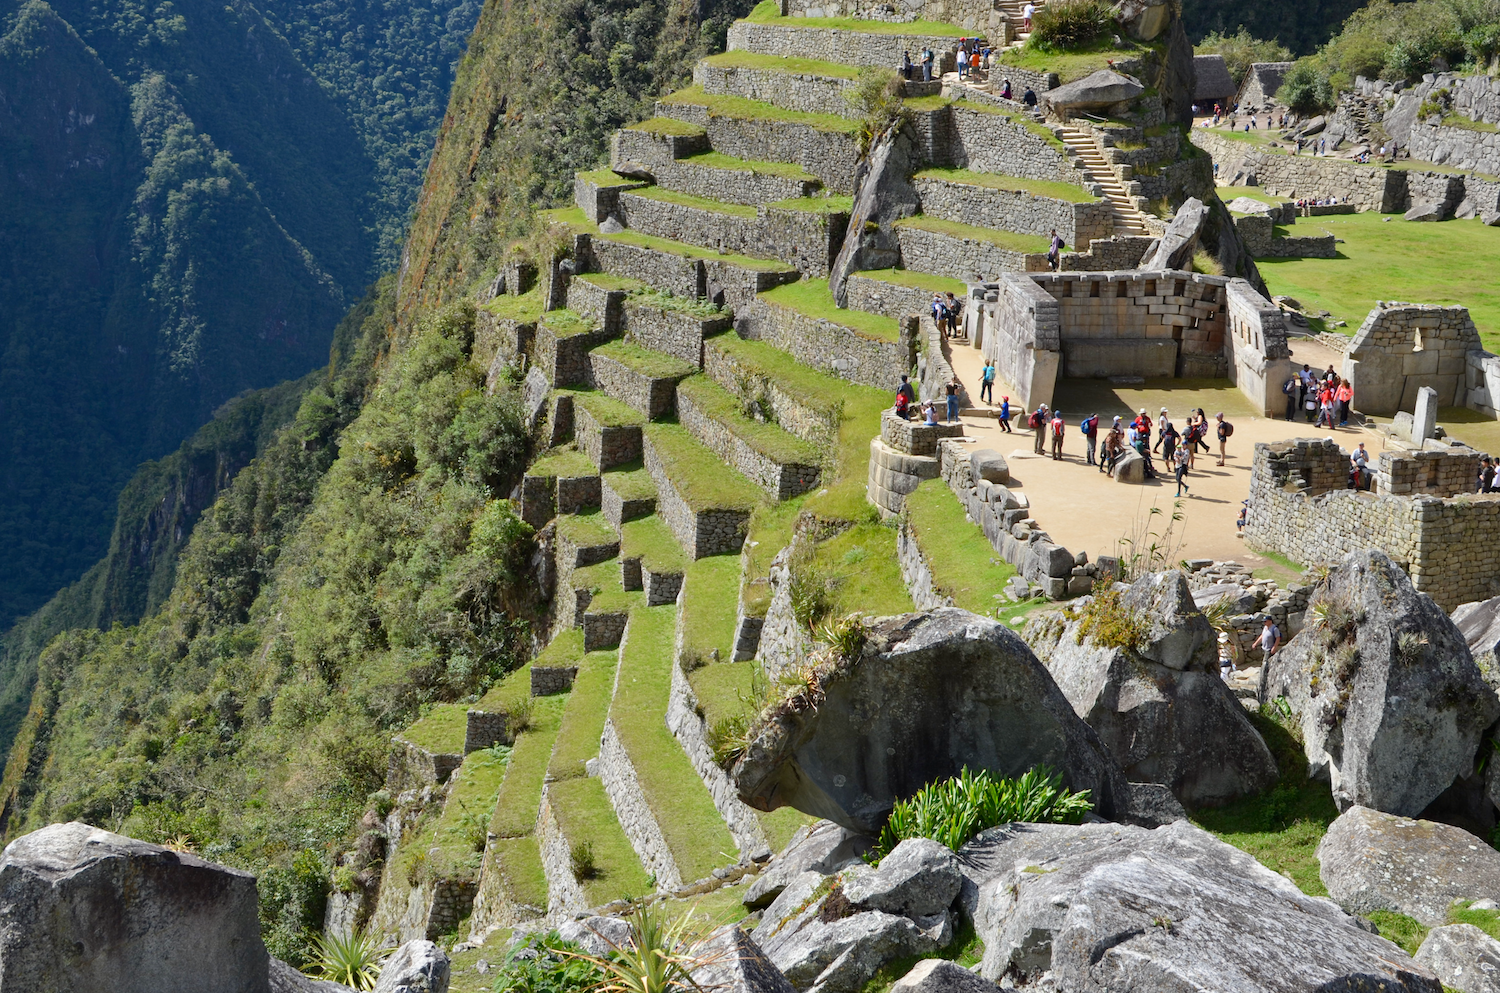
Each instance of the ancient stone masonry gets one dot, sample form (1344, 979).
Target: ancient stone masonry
(961, 258)
(800, 91)
(742, 186)
(817, 425)
(890, 299)
(651, 396)
(564, 895)
(781, 480)
(563, 357)
(833, 348)
(982, 16)
(1108, 254)
(550, 680)
(1300, 506)
(484, 729)
(676, 274)
(1262, 82)
(413, 767)
(1402, 347)
(807, 239)
(1442, 472)
(1015, 210)
(1255, 333)
(1258, 233)
(703, 531)
(606, 445)
(624, 789)
(837, 45)
(1368, 187)
(974, 137)
(674, 332)
(830, 155)
(599, 199)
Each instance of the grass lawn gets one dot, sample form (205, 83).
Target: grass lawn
(442, 730)
(520, 864)
(832, 203)
(699, 203)
(918, 280)
(526, 308)
(608, 177)
(574, 220)
(583, 715)
(606, 281)
(586, 530)
(656, 365)
(1026, 243)
(607, 410)
(1266, 141)
(867, 574)
(1228, 193)
(698, 475)
(564, 461)
(777, 63)
(458, 839)
(745, 109)
(723, 407)
(566, 324)
(1386, 258)
(813, 298)
(710, 602)
(694, 831)
(963, 565)
(770, 531)
(631, 482)
(995, 181)
(585, 816)
(1069, 66)
(718, 160)
(652, 541)
(662, 300)
(666, 126)
(770, 13)
(521, 791)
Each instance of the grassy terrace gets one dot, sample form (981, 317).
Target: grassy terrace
(831, 204)
(666, 126)
(585, 816)
(1228, 193)
(663, 300)
(526, 308)
(995, 181)
(566, 462)
(917, 280)
(608, 281)
(963, 565)
(867, 575)
(1018, 118)
(574, 220)
(812, 298)
(699, 203)
(566, 324)
(644, 361)
(698, 475)
(514, 819)
(583, 715)
(745, 109)
(719, 405)
(718, 160)
(653, 542)
(691, 824)
(769, 12)
(607, 410)
(1030, 244)
(1386, 258)
(631, 482)
(1072, 65)
(608, 177)
(778, 63)
(457, 840)
(441, 730)
(586, 529)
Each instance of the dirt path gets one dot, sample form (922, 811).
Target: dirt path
(1088, 511)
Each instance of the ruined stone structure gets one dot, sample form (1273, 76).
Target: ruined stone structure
(1423, 514)
(1261, 83)
(1402, 347)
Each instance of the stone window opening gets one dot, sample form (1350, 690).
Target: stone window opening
(1416, 340)
(1179, 288)
(1150, 288)
(1120, 291)
(1093, 287)
(1432, 475)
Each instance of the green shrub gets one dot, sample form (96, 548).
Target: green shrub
(352, 959)
(1241, 50)
(876, 99)
(550, 965)
(954, 810)
(1067, 24)
(1106, 620)
(584, 865)
(292, 901)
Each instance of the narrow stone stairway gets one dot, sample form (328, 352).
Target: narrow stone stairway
(1015, 10)
(1128, 218)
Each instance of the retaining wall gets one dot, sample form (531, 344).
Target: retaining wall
(651, 396)
(962, 258)
(839, 350)
(838, 45)
(673, 332)
(623, 788)
(815, 424)
(967, 137)
(831, 155)
(799, 91)
(705, 532)
(1015, 210)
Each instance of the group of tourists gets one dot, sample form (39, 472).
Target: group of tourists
(1323, 399)
(906, 402)
(946, 311)
(1006, 93)
(1305, 202)
(972, 56)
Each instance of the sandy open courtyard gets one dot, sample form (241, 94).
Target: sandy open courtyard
(1088, 511)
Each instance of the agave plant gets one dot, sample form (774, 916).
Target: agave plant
(352, 959)
(657, 957)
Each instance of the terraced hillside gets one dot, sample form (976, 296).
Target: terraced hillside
(708, 413)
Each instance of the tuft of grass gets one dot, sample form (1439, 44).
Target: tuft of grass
(565, 323)
(698, 475)
(1206, 263)
(745, 109)
(812, 298)
(1025, 243)
(994, 181)
(696, 202)
(669, 126)
(656, 365)
(718, 160)
(1400, 929)
(662, 300)
(864, 572)
(963, 564)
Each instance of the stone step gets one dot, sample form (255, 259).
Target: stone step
(561, 345)
(1011, 204)
(626, 494)
(643, 380)
(706, 504)
(778, 462)
(825, 145)
(881, 46)
(808, 85)
(804, 232)
(967, 252)
(738, 181)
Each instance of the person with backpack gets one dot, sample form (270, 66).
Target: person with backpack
(1038, 423)
(927, 59)
(1292, 388)
(1059, 428)
(905, 397)
(1054, 250)
(951, 389)
(1005, 415)
(1179, 463)
(1225, 429)
(1090, 430)
(906, 65)
(939, 312)
(1168, 442)
(987, 382)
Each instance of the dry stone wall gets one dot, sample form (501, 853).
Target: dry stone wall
(971, 137)
(603, 306)
(1260, 360)
(799, 91)
(815, 424)
(962, 258)
(976, 15)
(831, 155)
(606, 445)
(563, 359)
(1367, 187)
(703, 532)
(838, 45)
(1015, 210)
(890, 299)
(803, 238)
(653, 149)
(599, 200)
(499, 342)
(485, 729)
(652, 396)
(1257, 231)
(672, 332)
(781, 480)
(617, 509)
(493, 907)
(1402, 347)
(623, 787)
(1023, 338)
(1460, 148)
(742, 186)
(564, 896)
(916, 571)
(836, 349)
(675, 274)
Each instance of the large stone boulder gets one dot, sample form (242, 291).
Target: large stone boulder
(1157, 700)
(416, 967)
(1479, 623)
(1425, 212)
(1463, 958)
(1130, 467)
(1097, 91)
(1391, 704)
(826, 950)
(941, 976)
(82, 909)
(1144, 20)
(729, 961)
(1373, 861)
(284, 979)
(919, 878)
(1107, 908)
(989, 464)
(925, 696)
(1175, 248)
(825, 848)
(1246, 205)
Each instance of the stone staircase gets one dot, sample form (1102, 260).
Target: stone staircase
(1129, 220)
(1015, 10)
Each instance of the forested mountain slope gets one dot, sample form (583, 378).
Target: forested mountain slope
(191, 195)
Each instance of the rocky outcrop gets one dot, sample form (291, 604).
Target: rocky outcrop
(1390, 702)
(729, 961)
(1158, 700)
(941, 976)
(284, 979)
(924, 696)
(824, 849)
(1479, 623)
(1175, 248)
(1372, 861)
(1463, 958)
(82, 909)
(1097, 91)
(1101, 907)
(415, 967)
(919, 878)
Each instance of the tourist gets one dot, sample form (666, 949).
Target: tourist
(931, 411)
(1026, 13)
(1359, 468)
(951, 389)
(906, 65)
(1059, 428)
(1054, 250)
(1038, 424)
(906, 395)
(953, 307)
(1224, 430)
(963, 62)
(1240, 521)
(1293, 390)
(1270, 639)
(1162, 424)
(1344, 396)
(1168, 442)
(1142, 444)
(1005, 415)
(1226, 656)
(1089, 428)
(987, 382)
(1325, 405)
(985, 53)
(1005, 90)
(1486, 475)
(1114, 446)
(1179, 460)
(1029, 98)
(927, 60)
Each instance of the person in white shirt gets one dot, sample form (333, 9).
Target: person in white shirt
(1026, 14)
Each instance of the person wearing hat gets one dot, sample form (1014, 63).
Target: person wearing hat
(1225, 429)
(1005, 415)
(1226, 656)
(1038, 423)
(1059, 428)
(1090, 431)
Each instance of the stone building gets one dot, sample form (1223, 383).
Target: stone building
(1212, 82)
(1261, 83)
(1402, 347)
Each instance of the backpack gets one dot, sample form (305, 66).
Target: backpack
(901, 403)
(1057, 427)
(1228, 429)
(1291, 386)
(1035, 420)
(1090, 425)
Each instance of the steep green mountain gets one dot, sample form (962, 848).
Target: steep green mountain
(191, 192)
